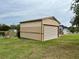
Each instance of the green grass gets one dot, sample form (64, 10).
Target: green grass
(64, 47)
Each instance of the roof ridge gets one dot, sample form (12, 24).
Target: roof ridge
(40, 19)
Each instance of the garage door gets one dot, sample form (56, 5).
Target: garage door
(50, 32)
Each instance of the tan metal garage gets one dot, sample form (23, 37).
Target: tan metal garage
(40, 29)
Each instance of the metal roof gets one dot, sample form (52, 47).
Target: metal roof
(41, 19)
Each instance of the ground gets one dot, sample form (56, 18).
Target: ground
(64, 47)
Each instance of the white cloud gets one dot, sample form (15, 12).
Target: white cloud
(36, 8)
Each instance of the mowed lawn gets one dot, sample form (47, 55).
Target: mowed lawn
(65, 47)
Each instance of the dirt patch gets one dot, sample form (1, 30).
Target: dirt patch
(61, 52)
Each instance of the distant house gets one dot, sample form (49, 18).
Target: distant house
(40, 29)
(64, 30)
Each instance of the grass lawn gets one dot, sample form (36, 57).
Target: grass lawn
(65, 47)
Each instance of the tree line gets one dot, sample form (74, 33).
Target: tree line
(4, 27)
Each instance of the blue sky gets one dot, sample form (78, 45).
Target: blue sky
(15, 11)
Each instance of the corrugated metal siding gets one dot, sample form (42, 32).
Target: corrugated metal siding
(31, 35)
(50, 32)
(31, 30)
(50, 22)
(31, 24)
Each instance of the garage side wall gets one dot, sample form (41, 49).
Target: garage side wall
(31, 30)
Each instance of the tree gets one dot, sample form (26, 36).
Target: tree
(75, 8)
(4, 27)
(13, 26)
(17, 27)
(72, 29)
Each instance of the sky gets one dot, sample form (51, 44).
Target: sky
(14, 11)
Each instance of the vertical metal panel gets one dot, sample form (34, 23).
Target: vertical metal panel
(50, 32)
